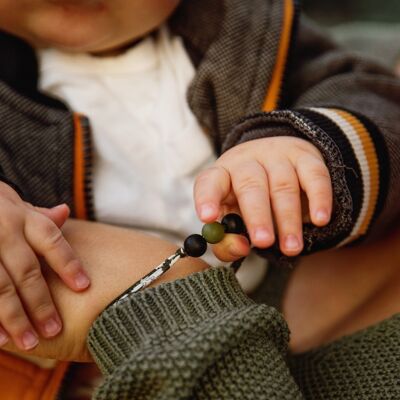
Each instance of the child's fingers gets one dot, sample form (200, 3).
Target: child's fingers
(12, 315)
(4, 338)
(58, 214)
(285, 198)
(316, 182)
(47, 240)
(25, 272)
(250, 184)
(231, 248)
(211, 187)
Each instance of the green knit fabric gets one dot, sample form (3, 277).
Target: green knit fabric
(365, 365)
(198, 337)
(202, 338)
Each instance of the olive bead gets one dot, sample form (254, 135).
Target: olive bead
(213, 232)
(233, 223)
(195, 245)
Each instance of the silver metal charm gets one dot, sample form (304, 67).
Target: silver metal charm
(151, 276)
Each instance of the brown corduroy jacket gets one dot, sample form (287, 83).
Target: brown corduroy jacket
(261, 71)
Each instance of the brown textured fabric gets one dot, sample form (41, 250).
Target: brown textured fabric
(237, 58)
(36, 147)
(234, 46)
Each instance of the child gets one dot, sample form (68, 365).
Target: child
(328, 129)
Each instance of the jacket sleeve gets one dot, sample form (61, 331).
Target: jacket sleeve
(349, 108)
(199, 337)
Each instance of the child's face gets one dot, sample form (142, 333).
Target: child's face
(83, 25)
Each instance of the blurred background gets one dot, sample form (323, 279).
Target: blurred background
(369, 26)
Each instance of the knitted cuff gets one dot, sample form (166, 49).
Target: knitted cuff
(162, 311)
(355, 154)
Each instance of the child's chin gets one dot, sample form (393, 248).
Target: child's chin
(72, 29)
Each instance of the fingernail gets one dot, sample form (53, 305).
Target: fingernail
(51, 327)
(262, 234)
(292, 243)
(3, 339)
(321, 216)
(29, 340)
(81, 280)
(207, 211)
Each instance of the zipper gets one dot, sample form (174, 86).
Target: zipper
(83, 165)
(290, 15)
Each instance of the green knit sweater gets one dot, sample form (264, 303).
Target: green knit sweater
(201, 337)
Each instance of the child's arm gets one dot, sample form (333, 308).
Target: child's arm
(26, 232)
(114, 259)
(349, 109)
(199, 336)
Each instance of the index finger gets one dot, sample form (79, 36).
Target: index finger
(47, 240)
(250, 183)
(211, 187)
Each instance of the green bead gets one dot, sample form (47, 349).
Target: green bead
(213, 232)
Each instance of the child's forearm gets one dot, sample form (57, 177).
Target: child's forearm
(114, 258)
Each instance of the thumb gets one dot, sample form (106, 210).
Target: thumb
(232, 247)
(58, 214)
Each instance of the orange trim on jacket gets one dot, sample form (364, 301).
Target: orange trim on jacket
(79, 170)
(274, 89)
(22, 380)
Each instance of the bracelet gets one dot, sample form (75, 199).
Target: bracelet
(194, 246)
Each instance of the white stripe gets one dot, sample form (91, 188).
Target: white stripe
(358, 148)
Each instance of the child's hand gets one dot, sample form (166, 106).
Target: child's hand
(26, 306)
(262, 180)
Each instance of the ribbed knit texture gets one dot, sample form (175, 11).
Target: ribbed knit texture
(199, 337)
(202, 338)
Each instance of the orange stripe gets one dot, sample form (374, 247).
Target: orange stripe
(79, 170)
(53, 387)
(272, 97)
(373, 166)
(21, 379)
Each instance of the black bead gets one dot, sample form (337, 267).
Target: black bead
(195, 245)
(233, 223)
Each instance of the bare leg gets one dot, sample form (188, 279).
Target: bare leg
(338, 292)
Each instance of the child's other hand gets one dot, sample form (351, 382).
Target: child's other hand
(26, 306)
(262, 180)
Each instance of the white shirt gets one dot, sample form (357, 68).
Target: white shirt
(148, 145)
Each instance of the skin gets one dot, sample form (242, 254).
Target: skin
(331, 294)
(95, 26)
(28, 232)
(262, 180)
(114, 258)
(338, 292)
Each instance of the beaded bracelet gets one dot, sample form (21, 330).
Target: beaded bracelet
(194, 246)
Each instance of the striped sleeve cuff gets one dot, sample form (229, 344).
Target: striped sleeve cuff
(355, 154)
(365, 159)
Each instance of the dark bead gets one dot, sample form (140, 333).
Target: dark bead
(233, 223)
(213, 232)
(195, 245)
